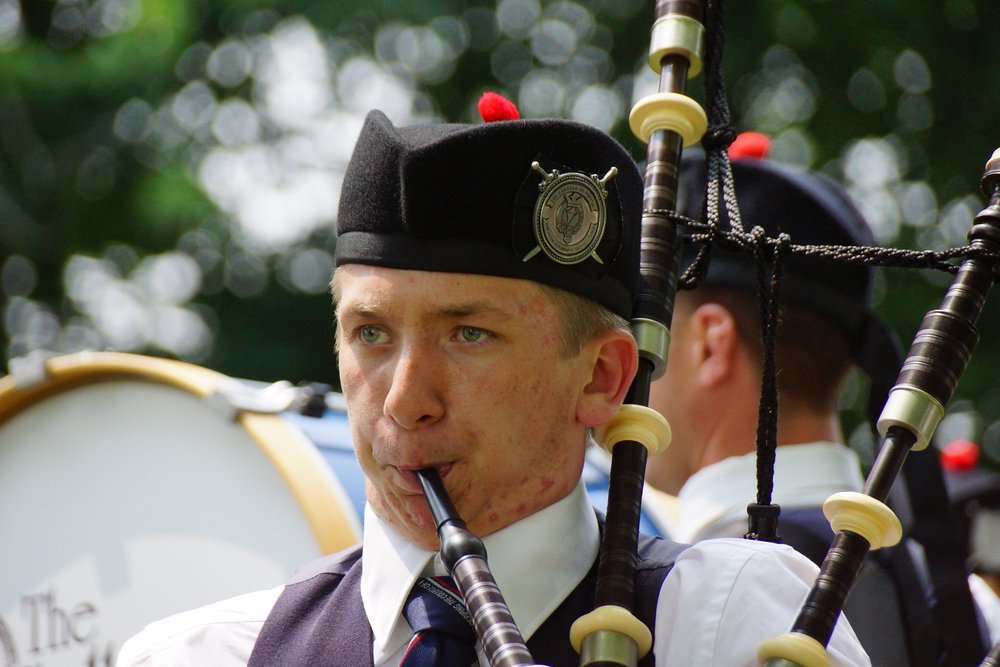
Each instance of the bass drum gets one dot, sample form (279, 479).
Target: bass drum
(134, 487)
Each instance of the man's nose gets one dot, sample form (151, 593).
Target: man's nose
(414, 399)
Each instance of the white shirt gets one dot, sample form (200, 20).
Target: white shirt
(720, 599)
(988, 603)
(713, 502)
(560, 541)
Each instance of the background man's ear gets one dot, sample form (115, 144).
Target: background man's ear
(715, 340)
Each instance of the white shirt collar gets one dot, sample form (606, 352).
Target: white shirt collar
(559, 542)
(805, 475)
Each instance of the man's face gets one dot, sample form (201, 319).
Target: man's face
(465, 374)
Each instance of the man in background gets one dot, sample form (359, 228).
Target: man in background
(711, 390)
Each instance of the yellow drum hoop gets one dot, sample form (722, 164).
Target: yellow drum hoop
(320, 505)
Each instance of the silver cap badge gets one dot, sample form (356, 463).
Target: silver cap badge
(570, 215)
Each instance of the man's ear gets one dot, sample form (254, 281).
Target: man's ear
(715, 341)
(615, 361)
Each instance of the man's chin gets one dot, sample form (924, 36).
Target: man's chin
(422, 536)
(415, 523)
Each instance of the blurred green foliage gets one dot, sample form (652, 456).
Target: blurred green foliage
(164, 190)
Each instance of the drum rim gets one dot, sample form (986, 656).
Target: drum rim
(280, 442)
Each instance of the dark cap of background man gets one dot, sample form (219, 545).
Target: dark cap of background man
(813, 210)
(467, 199)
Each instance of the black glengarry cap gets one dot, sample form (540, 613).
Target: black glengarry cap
(467, 199)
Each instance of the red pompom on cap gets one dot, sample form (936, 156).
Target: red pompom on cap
(494, 107)
(960, 455)
(750, 144)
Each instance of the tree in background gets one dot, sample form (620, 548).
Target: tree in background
(170, 169)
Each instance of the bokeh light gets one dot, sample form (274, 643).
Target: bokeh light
(259, 115)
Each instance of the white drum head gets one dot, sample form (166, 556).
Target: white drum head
(125, 497)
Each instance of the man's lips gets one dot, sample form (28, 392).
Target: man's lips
(407, 476)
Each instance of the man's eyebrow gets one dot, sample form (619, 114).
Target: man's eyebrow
(374, 308)
(362, 309)
(474, 308)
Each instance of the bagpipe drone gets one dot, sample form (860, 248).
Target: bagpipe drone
(686, 38)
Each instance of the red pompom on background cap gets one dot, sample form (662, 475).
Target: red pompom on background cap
(494, 107)
(960, 455)
(750, 144)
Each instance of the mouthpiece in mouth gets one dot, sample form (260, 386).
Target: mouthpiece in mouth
(437, 498)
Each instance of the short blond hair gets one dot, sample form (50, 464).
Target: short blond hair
(582, 319)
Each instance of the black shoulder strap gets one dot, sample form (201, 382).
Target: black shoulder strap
(936, 529)
(923, 634)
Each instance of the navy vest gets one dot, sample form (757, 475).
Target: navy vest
(319, 619)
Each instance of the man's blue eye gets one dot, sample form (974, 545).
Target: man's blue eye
(472, 334)
(370, 334)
